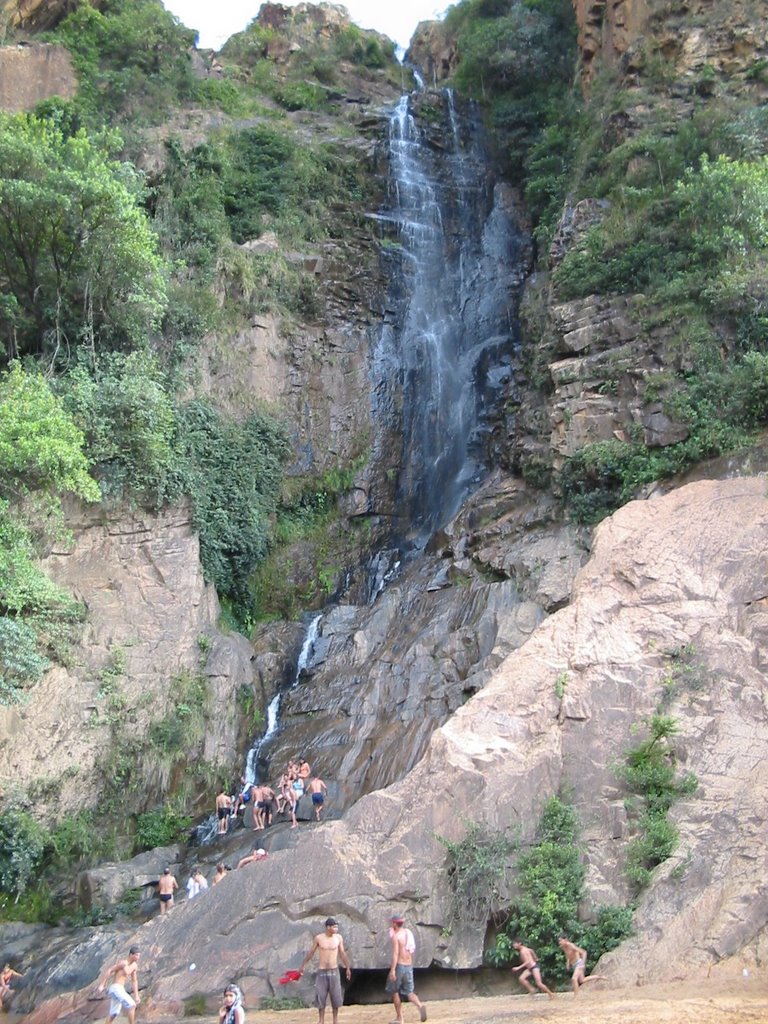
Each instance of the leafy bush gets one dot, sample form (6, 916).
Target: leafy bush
(40, 445)
(233, 473)
(518, 58)
(161, 827)
(22, 845)
(127, 414)
(130, 55)
(550, 878)
(21, 662)
(650, 771)
(477, 870)
(41, 450)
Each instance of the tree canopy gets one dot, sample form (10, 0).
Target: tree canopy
(78, 259)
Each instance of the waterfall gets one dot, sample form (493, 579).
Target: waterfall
(273, 710)
(453, 300)
(207, 830)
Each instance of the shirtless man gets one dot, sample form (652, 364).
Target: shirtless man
(267, 804)
(576, 961)
(327, 981)
(529, 967)
(223, 811)
(257, 805)
(318, 789)
(221, 872)
(165, 888)
(400, 977)
(123, 971)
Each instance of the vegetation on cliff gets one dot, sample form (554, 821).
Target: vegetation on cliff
(550, 891)
(110, 279)
(674, 162)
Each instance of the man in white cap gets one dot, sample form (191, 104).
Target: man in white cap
(400, 978)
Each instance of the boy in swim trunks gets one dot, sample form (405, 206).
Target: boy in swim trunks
(318, 790)
(529, 968)
(166, 887)
(576, 961)
(123, 971)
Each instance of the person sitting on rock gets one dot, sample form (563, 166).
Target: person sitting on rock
(243, 797)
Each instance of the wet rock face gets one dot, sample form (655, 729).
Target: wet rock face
(392, 662)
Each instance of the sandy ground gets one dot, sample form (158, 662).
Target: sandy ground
(708, 1002)
(743, 1001)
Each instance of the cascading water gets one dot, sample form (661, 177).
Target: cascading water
(207, 830)
(454, 302)
(252, 760)
(381, 684)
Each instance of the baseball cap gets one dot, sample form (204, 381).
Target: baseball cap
(261, 851)
(397, 919)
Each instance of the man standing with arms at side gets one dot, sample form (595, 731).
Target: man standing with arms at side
(327, 982)
(123, 971)
(400, 978)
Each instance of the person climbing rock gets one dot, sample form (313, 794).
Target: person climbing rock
(122, 972)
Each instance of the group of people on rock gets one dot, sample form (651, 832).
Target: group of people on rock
(329, 946)
(197, 882)
(265, 801)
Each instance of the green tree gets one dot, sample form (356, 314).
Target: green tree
(78, 260)
(233, 473)
(41, 448)
(128, 417)
(22, 845)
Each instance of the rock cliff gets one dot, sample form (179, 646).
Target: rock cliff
(687, 569)
(151, 619)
